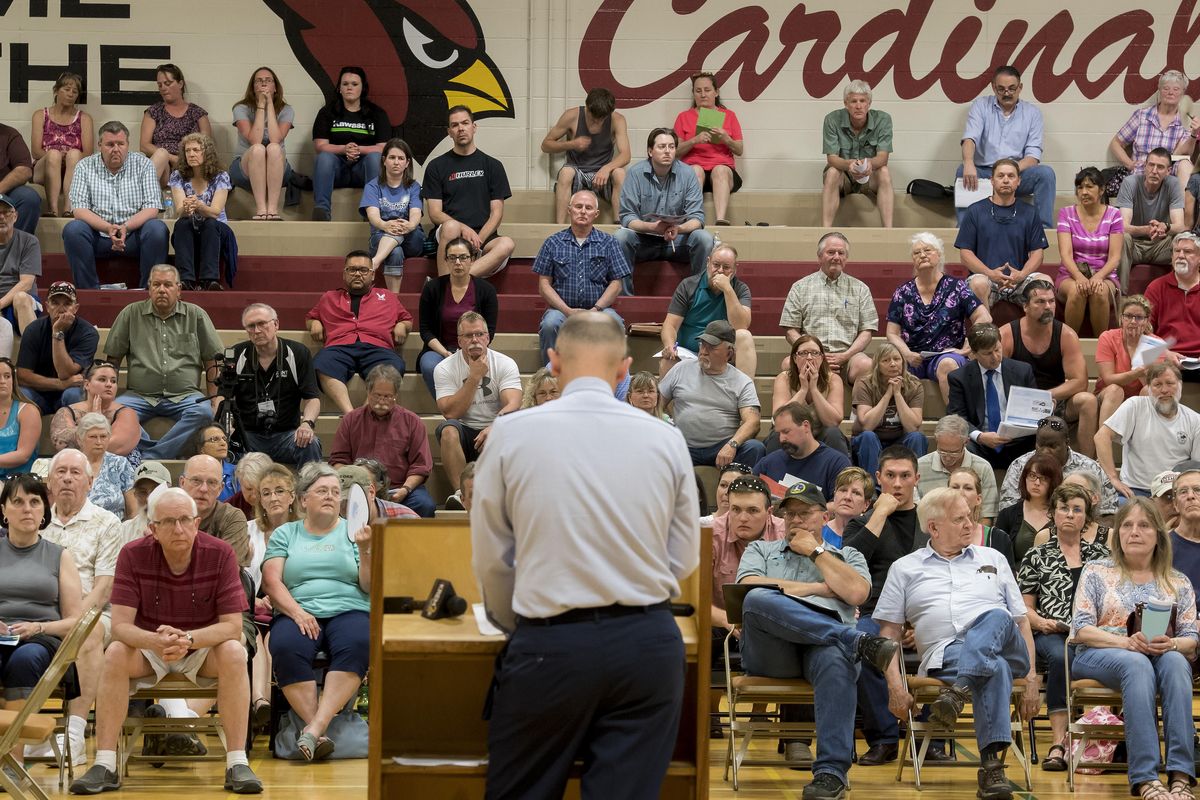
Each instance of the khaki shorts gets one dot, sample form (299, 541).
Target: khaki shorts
(851, 186)
(188, 666)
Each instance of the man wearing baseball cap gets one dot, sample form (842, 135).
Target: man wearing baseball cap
(807, 629)
(20, 263)
(716, 406)
(56, 351)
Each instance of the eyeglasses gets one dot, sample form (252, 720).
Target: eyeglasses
(269, 493)
(216, 440)
(792, 512)
(1052, 424)
(809, 355)
(458, 259)
(254, 326)
(211, 483)
(359, 270)
(1133, 318)
(473, 335)
(174, 522)
(325, 491)
(1034, 476)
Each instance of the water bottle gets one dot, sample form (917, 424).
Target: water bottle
(168, 206)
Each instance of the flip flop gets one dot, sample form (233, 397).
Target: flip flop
(325, 748)
(261, 217)
(272, 218)
(307, 744)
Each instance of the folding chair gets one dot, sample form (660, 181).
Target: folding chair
(27, 726)
(171, 687)
(741, 689)
(1082, 694)
(925, 690)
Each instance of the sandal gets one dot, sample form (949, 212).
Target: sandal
(272, 218)
(1153, 790)
(324, 749)
(260, 217)
(306, 743)
(1181, 789)
(1055, 763)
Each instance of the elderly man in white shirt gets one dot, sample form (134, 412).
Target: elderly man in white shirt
(969, 621)
(91, 535)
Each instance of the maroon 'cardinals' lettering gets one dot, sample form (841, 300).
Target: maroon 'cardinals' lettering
(421, 56)
(885, 44)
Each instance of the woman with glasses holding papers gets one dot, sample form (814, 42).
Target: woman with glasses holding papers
(1119, 379)
(1134, 625)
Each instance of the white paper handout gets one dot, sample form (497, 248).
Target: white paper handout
(357, 513)
(1025, 407)
(1149, 349)
(682, 353)
(964, 198)
(486, 628)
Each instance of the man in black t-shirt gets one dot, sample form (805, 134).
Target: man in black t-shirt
(464, 193)
(56, 351)
(277, 398)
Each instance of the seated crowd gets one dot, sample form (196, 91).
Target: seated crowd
(873, 528)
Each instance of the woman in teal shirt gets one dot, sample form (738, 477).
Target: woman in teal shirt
(320, 589)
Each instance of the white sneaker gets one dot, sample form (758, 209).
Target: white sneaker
(43, 750)
(454, 502)
(78, 749)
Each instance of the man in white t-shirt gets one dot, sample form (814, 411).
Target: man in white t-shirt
(473, 387)
(1157, 432)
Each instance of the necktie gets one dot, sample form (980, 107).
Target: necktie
(992, 396)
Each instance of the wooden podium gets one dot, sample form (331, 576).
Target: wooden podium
(429, 678)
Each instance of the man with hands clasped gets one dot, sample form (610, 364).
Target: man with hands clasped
(177, 605)
(714, 294)
(971, 630)
(814, 637)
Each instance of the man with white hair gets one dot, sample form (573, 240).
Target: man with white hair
(1174, 303)
(177, 609)
(1156, 431)
(91, 535)
(857, 143)
(950, 453)
(971, 630)
(835, 307)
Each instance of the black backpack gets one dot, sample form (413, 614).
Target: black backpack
(921, 187)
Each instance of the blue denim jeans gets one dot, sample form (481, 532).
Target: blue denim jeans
(866, 447)
(1140, 678)
(191, 414)
(410, 247)
(782, 638)
(984, 661)
(879, 725)
(427, 363)
(749, 453)
(148, 244)
(28, 204)
(332, 171)
(281, 447)
(1049, 647)
(1037, 181)
(552, 320)
(694, 248)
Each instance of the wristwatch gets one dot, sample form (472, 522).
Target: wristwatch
(734, 443)
(191, 641)
(309, 423)
(60, 335)
(813, 555)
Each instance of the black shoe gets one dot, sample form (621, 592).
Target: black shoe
(190, 286)
(878, 651)
(944, 711)
(993, 784)
(185, 744)
(214, 286)
(825, 787)
(96, 780)
(262, 715)
(879, 754)
(154, 744)
(935, 756)
(240, 779)
(321, 215)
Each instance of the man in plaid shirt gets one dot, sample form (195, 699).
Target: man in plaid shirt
(116, 200)
(578, 269)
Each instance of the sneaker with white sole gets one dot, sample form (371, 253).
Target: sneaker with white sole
(78, 749)
(43, 750)
(454, 502)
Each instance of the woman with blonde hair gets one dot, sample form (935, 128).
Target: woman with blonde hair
(967, 482)
(889, 406)
(1113, 648)
(541, 388)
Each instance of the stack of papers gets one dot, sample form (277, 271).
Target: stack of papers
(1026, 407)
(964, 198)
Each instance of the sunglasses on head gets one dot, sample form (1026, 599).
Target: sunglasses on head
(748, 485)
(1052, 424)
(733, 466)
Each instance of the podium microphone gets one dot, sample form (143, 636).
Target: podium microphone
(443, 602)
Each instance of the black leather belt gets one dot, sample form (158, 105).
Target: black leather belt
(593, 614)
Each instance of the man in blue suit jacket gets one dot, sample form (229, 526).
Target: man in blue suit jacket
(968, 395)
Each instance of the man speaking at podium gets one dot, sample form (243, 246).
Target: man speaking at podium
(584, 522)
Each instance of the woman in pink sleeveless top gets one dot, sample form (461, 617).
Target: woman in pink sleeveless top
(61, 135)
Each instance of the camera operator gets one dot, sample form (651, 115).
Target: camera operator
(276, 398)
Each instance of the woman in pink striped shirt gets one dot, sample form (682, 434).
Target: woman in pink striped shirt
(1089, 247)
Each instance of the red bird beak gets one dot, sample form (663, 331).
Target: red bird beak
(479, 89)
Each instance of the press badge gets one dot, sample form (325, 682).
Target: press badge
(266, 407)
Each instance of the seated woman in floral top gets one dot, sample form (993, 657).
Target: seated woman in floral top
(1048, 577)
(931, 314)
(1140, 667)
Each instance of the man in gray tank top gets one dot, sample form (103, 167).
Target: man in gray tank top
(596, 142)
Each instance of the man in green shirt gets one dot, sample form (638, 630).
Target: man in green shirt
(171, 347)
(856, 142)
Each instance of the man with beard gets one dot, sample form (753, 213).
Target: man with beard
(1156, 433)
(1174, 305)
(474, 386)
(360, 326)
(1151, 206)
(714, 294)
(814, 639)
(801, 454)
(1054, 352)
(714, 404)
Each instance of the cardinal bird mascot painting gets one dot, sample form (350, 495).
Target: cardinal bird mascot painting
(421, 56)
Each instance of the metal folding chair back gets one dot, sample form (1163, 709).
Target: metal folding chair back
(1082, 695)
(27, 726)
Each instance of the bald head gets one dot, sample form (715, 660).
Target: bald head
(201, 479)
(590, 344)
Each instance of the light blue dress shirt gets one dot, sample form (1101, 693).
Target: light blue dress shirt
(997, 136)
